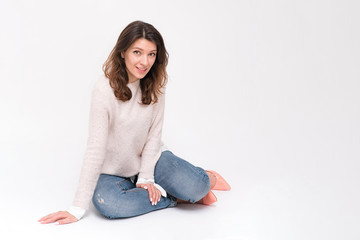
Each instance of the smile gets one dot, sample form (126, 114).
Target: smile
(142, 69)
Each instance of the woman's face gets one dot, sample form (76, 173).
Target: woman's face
(139, 58)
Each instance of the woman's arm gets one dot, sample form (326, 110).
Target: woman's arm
(93, 158)
(152, 148)
(151, 153)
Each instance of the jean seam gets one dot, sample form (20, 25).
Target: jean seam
(135, 190)
(118, 183)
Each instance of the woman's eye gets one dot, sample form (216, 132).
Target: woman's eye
(152, 54)
(136, 52)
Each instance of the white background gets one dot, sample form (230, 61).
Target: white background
(265, 92)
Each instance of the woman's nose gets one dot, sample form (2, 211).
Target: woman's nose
(144, 60)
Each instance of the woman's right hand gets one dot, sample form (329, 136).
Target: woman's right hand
(60, 217)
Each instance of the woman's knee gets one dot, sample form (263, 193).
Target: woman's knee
(102, 203)
(113, 210)
(195, 192)
(180, 178)
(110, 205)
(165, 162)
(125, 204)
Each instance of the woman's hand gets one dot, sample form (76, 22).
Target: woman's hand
(60, 217)
(154, 193)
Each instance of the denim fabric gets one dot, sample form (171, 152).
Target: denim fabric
(118, 197)
(181, 179)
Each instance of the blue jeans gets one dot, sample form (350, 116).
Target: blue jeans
(118, 197)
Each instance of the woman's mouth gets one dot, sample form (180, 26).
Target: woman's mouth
(142, 70)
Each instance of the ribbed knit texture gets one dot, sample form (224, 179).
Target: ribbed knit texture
(124, 138)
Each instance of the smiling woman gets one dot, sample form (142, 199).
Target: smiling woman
(139, 59)
(127, 171)
(133, 58)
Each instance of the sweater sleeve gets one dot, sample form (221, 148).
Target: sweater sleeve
(96, 146)
(152, 149)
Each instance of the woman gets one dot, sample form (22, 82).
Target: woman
(127, 171)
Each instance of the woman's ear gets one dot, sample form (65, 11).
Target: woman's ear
(122, 55)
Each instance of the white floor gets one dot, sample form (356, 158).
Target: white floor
(264, 92)
(264, 203)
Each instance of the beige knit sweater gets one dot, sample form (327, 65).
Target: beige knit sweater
(124, 138)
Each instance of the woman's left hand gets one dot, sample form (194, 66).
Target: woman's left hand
(154, 193)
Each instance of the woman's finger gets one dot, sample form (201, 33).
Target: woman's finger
(49, 216)
(151, 195)
(54, 217)
(158, 194)
(59, 215)
(154, 193)
(46, 218)
(50, 219)
(67, 220)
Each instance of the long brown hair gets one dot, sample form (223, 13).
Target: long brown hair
(115, 70)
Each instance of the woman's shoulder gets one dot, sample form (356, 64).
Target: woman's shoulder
(102, 85)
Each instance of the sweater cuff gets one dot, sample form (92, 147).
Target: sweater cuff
(77, 212)
(151, 181)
